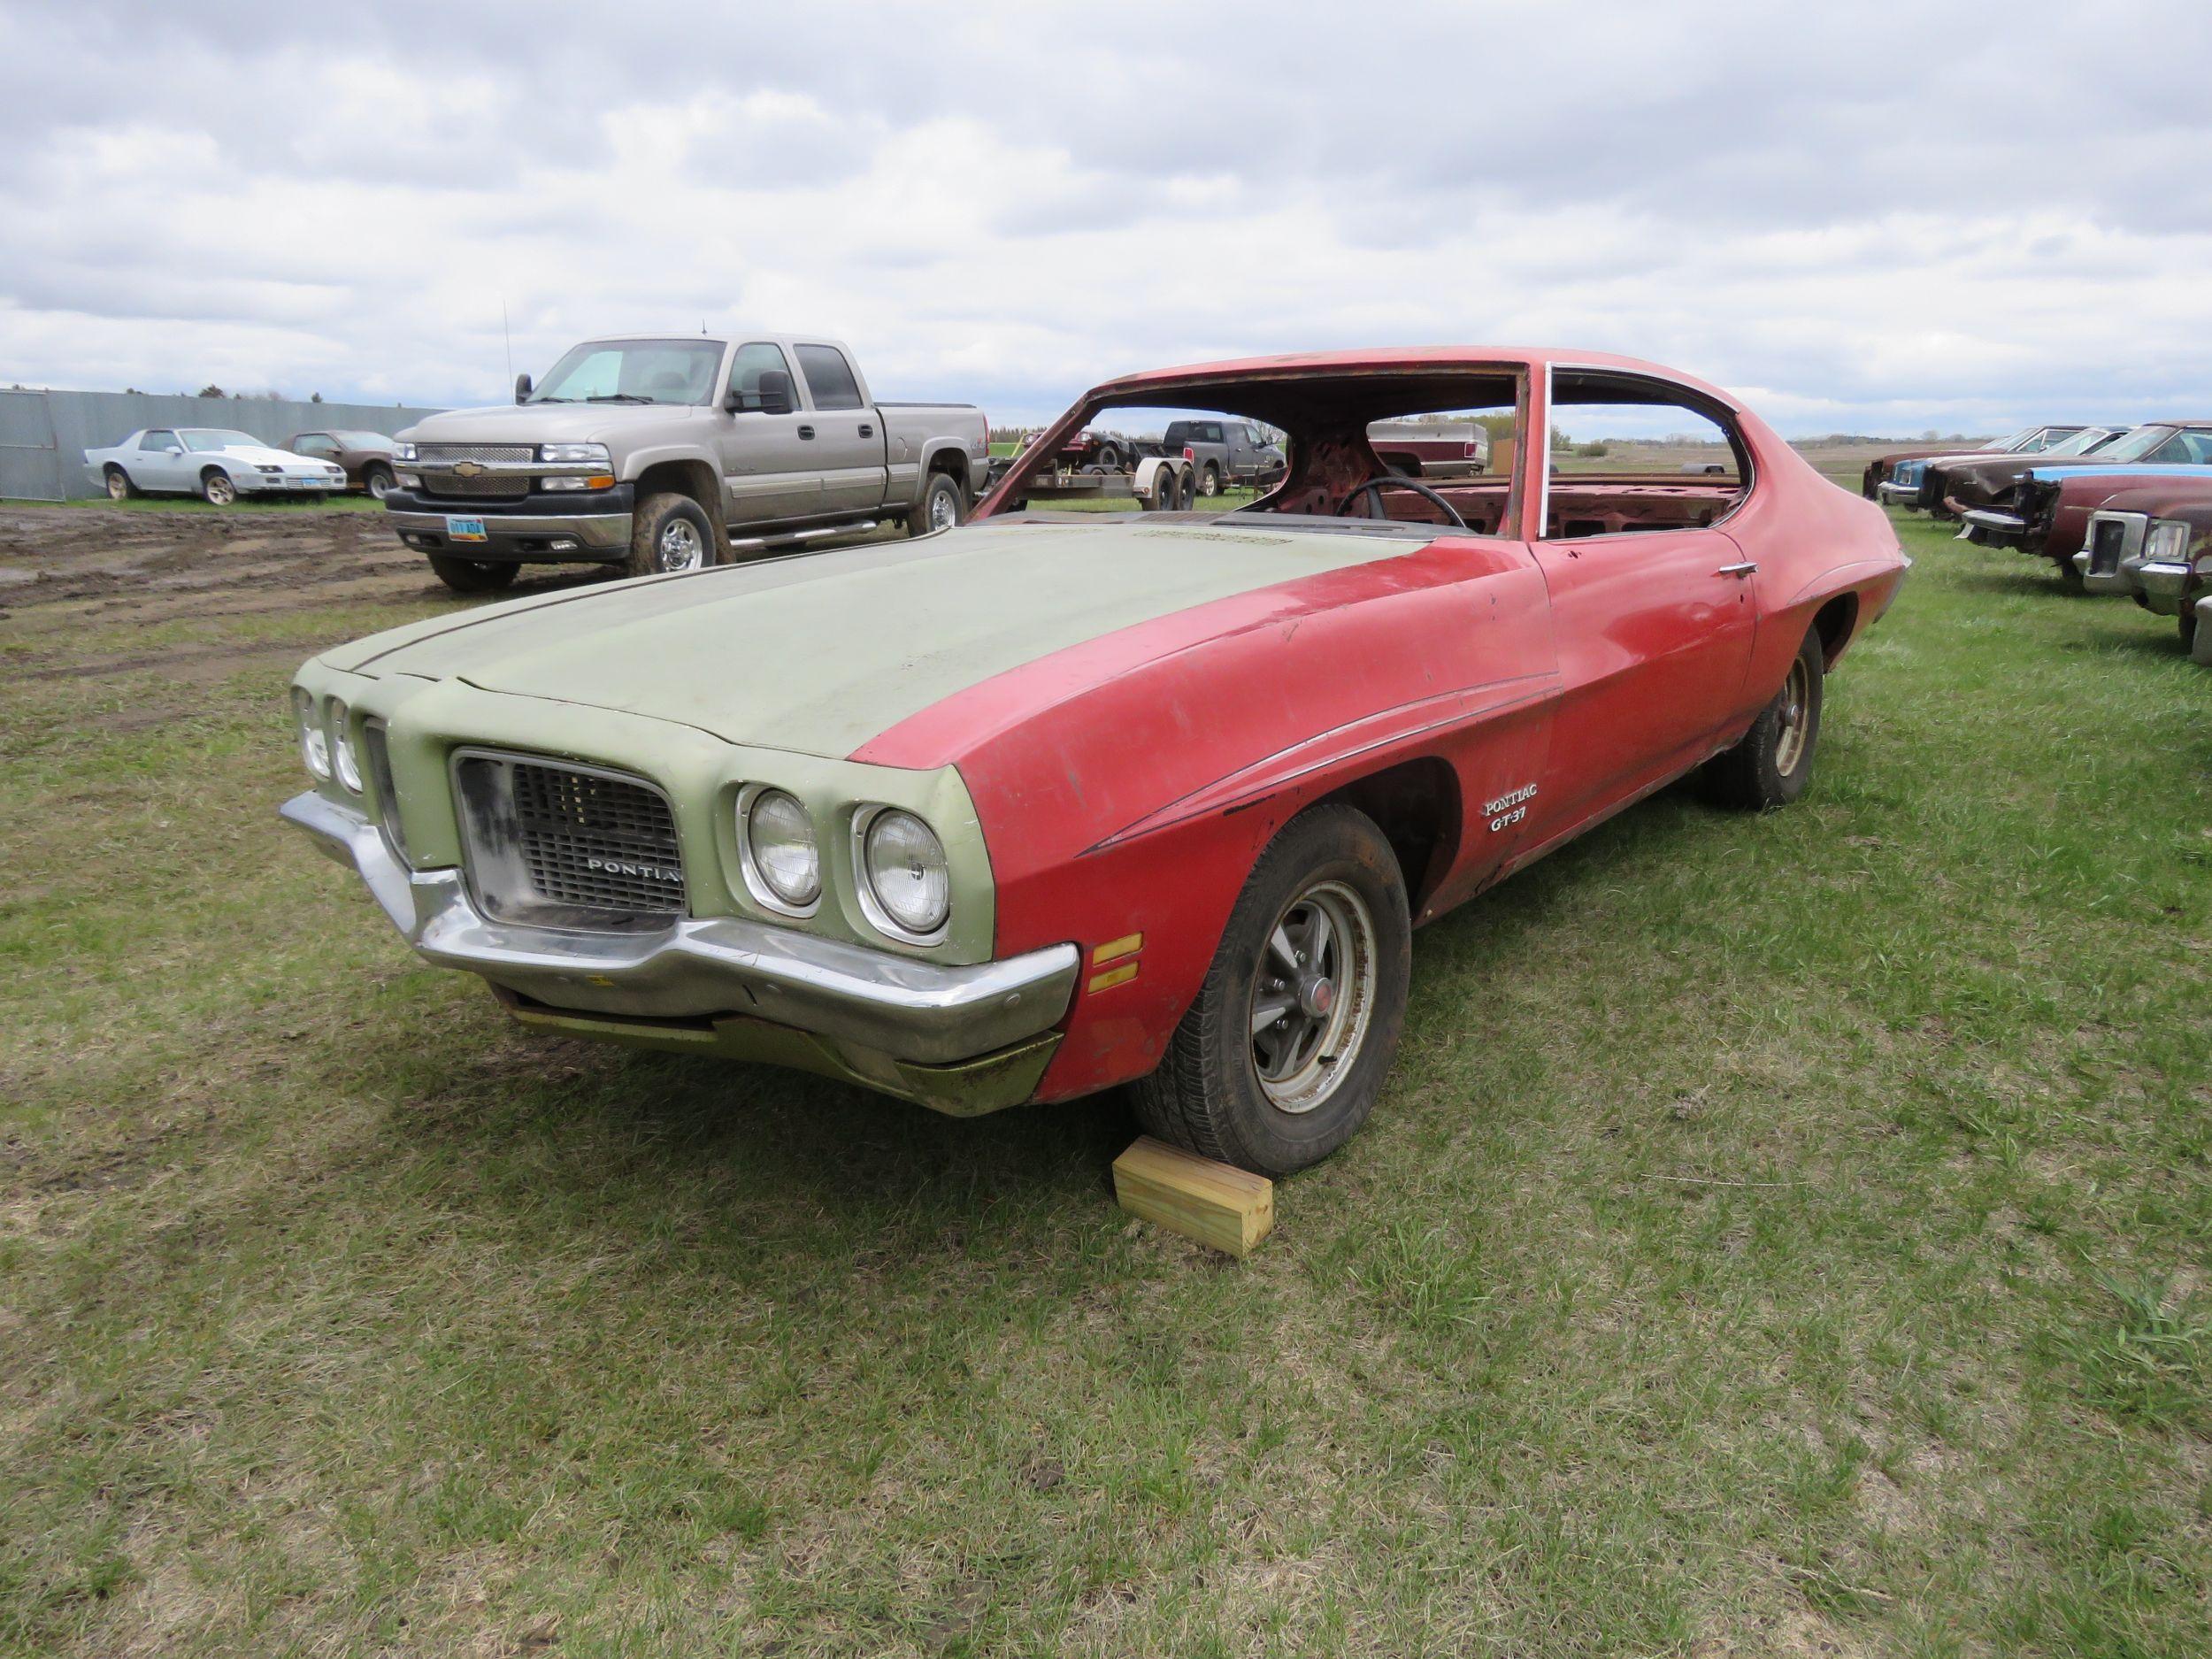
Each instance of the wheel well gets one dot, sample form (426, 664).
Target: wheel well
(694, 478)
(1416, 806)
(953, 464)
(1834, 623)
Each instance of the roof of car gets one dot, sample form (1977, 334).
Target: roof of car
(1385, 360)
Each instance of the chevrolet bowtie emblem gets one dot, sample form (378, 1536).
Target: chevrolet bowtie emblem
(467, 469)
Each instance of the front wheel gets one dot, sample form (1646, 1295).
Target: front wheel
(671, 534)
(939, 508)
(217, 489)
(1280, 1058)
(378, 482)
(1770, 767)
(472, 576)
(2187, 622)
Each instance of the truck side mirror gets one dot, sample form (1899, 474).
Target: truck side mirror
(775, 392)
(522, 389)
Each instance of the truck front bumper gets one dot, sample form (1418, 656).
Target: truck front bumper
(962, 1039)
(542, 528)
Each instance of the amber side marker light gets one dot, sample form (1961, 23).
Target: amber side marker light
(1122, 951)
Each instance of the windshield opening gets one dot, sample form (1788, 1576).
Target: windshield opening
(2137, 444)
(2082, 443)
(633, 371)
(202, 440)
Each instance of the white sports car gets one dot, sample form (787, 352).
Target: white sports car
(210, 462)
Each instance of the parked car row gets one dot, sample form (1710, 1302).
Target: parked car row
(2116, 510)
(221, 465)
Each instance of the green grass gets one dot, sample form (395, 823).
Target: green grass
(1780, 1236)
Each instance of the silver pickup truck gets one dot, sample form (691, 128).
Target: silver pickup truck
(667, 453)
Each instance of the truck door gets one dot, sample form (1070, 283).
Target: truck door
(847, 441)
(768, 471)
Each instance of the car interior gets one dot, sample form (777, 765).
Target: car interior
(1678, 464)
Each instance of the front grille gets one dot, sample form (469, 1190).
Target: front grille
(448, 484)
(2111, 538)
(430, 454)
(566, 845)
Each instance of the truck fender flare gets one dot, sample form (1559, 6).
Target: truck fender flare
(933, 447)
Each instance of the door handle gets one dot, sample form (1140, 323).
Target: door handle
(806, 432)
(867, 431)
(1737, 571)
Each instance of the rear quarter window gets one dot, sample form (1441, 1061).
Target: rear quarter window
(829, 377)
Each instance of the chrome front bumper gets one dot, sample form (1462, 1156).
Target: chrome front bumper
(911, 1012)
(596, 534)
(1896, 494)
(1984, 521)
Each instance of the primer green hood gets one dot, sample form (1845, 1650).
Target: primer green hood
(818, 653)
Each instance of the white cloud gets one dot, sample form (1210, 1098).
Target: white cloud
(1883, 218)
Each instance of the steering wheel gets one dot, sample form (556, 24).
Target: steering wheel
(1391, 481)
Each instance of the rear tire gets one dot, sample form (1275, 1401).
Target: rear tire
(217, 489)
(1770, 767)
(669, 534)
(472, 576)
(1209, 480)
(1276, 1096)
(118, 484)
(2071, 578)
(941, 507)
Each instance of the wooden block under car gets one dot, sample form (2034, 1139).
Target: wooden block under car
(1228, 1209)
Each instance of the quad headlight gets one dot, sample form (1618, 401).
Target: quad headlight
(905, 882)
(778, 852)
(314, 741)
(2166, 542)
(343, 760)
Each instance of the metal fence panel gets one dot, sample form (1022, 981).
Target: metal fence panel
(46, 462)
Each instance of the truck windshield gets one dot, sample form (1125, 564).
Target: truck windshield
(633, 371)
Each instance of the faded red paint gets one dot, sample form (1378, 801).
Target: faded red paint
(1128, 785)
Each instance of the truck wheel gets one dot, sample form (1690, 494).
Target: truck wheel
(472, 576)
(1186, 489)
(1771, 765)
(1209, 480)
(216, 489)
(1280, 1058)
(941, 507)
(671, 532)
(119, 485)
(377, 481)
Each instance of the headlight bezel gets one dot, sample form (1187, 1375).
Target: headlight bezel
(866, 819)
(758, 885)
(313, 738)
(345, 759)
(2176, 530)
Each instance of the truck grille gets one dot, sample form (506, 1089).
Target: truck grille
(431, 454)
(448, 484)
(560, 846)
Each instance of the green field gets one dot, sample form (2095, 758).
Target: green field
(1780, 1236)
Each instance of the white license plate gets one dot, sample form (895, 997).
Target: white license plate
(464, 529)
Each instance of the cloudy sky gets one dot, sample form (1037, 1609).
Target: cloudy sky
(1861, 218)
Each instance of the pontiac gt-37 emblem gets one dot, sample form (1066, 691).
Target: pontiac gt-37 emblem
(1510, 807)
(649, 872)
(467, 469)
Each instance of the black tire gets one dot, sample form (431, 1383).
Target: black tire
(473, 576)
(941, 496)
(658, 547)
(377, 481)
(119, 483)
(1209, 480)
(1208, 1095)
(216, 488)
(2187, 622)
(1109, 457)
(1770, 767)
(2071, 578)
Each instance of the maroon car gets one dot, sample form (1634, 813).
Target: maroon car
(2153, 541)
(1954, 488)
(365, 456)
(2051, 513)
(2027, 441)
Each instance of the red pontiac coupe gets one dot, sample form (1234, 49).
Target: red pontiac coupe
(1048, 803)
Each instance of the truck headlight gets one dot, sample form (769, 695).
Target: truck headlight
(314, 744)
(343, 760)
(776, 849)
(906, 884)
(2166, 542)
(404, 452)
(572, 452)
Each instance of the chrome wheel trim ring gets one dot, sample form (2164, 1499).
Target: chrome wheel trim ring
(944, 510)
(1313, 997)
(1789, 740)
(679, 547)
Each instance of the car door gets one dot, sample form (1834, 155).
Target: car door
(847, 442)
(159, 463)
(768, 469)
